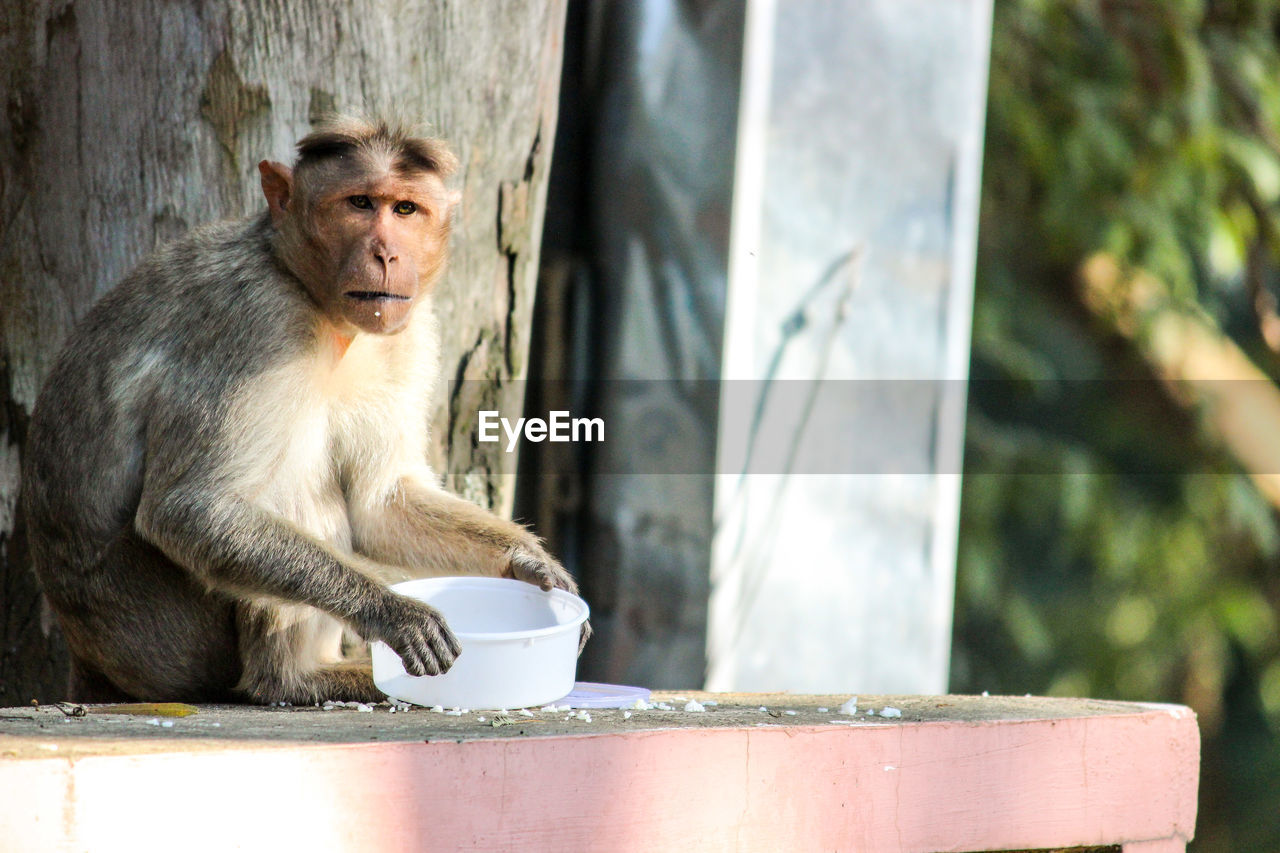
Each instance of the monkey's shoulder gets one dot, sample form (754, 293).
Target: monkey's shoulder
(195, 319)
(223, 275)
(215, 293)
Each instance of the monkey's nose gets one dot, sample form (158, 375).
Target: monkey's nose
(384, 253)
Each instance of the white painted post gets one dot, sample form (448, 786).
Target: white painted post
(850, 292)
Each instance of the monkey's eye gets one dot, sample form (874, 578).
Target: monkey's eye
(361, 201)
(404, 208)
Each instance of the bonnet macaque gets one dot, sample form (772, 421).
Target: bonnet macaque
(226, 465)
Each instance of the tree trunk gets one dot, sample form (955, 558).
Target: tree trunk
(125, 124)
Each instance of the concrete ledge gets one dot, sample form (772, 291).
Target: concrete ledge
(952, 774)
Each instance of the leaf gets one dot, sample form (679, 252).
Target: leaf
(149, 709)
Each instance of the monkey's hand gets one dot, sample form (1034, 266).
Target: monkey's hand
(531, 564)
(417, 633)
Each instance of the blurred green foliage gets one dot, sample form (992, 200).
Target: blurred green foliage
(1109, 545)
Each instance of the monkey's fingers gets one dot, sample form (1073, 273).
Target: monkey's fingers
(444, 645)
(524, 566)
(438, 644)
(584, 635)
(431, 651)
(416, 663)
(539, 569)
(419, 635)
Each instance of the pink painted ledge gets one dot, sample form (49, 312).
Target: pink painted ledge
(1023, 774)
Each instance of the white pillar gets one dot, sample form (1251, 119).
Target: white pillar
(850, 288)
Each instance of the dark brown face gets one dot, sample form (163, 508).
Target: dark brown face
(366, 242)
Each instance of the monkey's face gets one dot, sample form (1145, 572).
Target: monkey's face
(366, 242)
(383, 239)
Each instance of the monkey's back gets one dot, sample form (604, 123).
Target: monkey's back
(162, 348)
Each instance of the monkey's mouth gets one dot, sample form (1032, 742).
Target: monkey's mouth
(375, 296)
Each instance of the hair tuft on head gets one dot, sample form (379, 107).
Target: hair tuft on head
(339, 135)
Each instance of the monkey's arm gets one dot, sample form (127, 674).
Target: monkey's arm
(246, 551)
(418, 525)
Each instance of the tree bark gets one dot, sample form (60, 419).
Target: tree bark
(125, 124)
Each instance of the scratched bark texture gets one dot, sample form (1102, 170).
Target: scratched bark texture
(124, 124)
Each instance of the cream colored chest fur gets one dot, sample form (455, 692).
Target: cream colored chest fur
(315, 434)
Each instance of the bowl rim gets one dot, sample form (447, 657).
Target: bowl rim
(584, 610)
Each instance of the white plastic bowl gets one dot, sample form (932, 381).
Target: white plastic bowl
(519, 645)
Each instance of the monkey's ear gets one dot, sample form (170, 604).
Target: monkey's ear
(277, 187)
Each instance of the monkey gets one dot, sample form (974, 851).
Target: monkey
(226, 465)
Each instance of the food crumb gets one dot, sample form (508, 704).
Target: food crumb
(824, 710)
(330, 704)
(693, 706)
(850, 707)
(525, 712)
(890, 712)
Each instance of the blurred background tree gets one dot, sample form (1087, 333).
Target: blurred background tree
(1120, 534)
